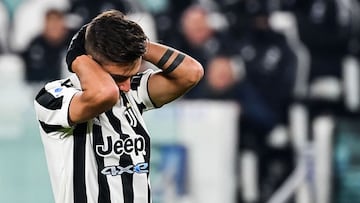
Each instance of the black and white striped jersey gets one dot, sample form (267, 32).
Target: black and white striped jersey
(104, 160)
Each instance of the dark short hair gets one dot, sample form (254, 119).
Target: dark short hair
(111, 38)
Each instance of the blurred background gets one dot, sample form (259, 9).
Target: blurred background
(275, 119)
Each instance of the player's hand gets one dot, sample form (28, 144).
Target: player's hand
(76, 47)
(84, 63)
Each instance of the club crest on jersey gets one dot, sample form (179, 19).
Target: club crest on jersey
(130, 116)
(118, 147)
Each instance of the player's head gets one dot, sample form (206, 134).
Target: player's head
(117, 44)
(112, 39)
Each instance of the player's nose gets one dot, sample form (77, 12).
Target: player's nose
(124, 86)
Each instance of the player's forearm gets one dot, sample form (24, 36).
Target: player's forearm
(97, 85)
(175, 64)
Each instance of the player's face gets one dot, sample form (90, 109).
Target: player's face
(123, 73)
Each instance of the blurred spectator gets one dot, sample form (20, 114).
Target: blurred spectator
(85, 10)
(166, 14)
(221, 79)
(198, 36)
(238, 12)
(234, 12)
(199, 39)
(325, 27)
(45, 55)
(82, 11)
(270, 63)
(270, 66)
(21, 31)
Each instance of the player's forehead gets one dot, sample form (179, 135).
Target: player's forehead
(123, 69)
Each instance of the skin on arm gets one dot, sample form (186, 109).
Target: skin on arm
(99, 91)
(166, 87)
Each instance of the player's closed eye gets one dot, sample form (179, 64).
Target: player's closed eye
(120, 78)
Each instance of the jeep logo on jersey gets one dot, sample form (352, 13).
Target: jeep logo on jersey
(118, 170)
(118, 147)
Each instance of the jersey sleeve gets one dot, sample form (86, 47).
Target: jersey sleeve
(52, 106)
(139, 90)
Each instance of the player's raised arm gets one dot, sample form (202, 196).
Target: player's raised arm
(180, 73)
(99, 91)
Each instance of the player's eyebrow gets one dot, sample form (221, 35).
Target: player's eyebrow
(120, 78)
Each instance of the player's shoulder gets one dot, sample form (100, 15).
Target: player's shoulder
(136, 79)
(57, 88)
(69, 82)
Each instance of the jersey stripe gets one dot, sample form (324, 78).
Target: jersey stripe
(49, 128)
(135, 81)
(141, 107)
(125, 160)
(127, 181)
(104, 191)
(140, 130)
(79, 163)
(47, 100)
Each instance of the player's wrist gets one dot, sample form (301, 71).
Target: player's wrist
(147, 53)
(82, 62)
(76, 47)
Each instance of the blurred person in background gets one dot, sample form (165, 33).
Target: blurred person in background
(85, 10)
(234, 12)
(238, 12)
(82, 11)
(166, 14)
(198, 38)
(325, 27)
(270, 66)
(330, 29)
(45, 55)
(225, 80)
(270, 63)
(220, 79)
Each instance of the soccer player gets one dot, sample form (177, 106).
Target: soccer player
(96, 144)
